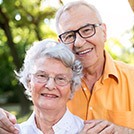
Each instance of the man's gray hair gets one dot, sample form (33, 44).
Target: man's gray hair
(75, 4)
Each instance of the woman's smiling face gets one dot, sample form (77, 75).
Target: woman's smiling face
(49, 95)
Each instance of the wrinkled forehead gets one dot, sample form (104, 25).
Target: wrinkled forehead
(51, 66)
(75, 18)
(75, 9)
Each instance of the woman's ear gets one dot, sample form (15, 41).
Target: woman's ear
(29, 86)
(29, 82)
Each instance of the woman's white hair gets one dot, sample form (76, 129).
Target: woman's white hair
(52, 49)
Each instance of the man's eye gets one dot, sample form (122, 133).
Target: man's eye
(68, 36)
(87, 30)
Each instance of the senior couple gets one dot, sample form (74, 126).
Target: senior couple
(51, 74)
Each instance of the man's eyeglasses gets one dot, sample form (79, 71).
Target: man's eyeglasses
(85, 32)
(60, 79)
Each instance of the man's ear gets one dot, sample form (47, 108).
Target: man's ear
(104, 28)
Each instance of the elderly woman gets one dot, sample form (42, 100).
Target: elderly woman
(50, 74)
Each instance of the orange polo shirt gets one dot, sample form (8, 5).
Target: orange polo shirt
(112, 97)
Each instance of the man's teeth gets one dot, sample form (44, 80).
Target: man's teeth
(86, 51)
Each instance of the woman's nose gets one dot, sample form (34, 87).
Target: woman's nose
(50, 84)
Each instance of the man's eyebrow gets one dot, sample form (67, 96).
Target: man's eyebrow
(76, 29)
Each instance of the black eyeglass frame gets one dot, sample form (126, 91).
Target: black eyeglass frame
(77, 31)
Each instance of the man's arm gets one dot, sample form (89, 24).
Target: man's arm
(7, 122)
(104, 127)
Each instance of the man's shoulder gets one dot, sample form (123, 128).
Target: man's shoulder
(125, 72)
(125, 67)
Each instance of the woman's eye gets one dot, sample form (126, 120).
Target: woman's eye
(41, 76)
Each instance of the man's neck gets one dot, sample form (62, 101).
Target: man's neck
(92, 74)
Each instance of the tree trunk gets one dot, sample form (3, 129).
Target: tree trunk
(4, 24)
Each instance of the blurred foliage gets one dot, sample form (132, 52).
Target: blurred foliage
(122, 49)
(21, 23)
(23, 118)
(15, 109)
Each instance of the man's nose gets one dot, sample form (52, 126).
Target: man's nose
(79, 41)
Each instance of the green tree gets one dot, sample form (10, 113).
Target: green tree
(21, 23)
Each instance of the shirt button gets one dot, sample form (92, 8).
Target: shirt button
(90, 108)
(85, 89)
